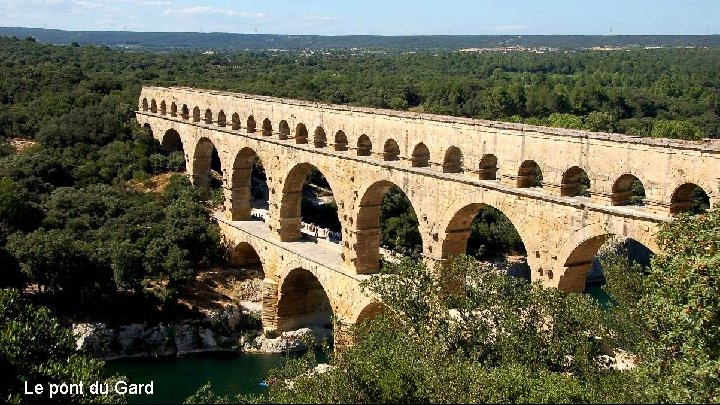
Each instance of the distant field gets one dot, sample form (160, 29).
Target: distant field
(225, 41)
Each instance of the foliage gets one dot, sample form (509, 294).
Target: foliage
(35, 348)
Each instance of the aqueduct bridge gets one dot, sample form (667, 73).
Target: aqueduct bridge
(448, 167)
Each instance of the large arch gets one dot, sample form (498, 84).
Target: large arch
(453, 162)
(576, 255)
(529, 175)
(628, 190)
(291, 210)
(575, 182)
(171, 141)
(244, 255)
(420, 156)
(341, 141)
(241, 192)
(488, 167)
(302, 302)
(391, 150)
(202, 162)
(368, 312)
(368, 229)
(364, 146)
(690, 198)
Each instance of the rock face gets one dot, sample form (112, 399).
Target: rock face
(291, 341)
(219, 332)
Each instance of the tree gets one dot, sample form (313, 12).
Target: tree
(677, 129)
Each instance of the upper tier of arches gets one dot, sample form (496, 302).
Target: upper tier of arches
(575, 181)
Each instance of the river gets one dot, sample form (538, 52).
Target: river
(176, 378)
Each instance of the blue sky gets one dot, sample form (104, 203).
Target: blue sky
(388, 17)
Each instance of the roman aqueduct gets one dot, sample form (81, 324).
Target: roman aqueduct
(449, 168)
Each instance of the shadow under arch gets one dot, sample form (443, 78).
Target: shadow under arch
(302, 302)
(246, 166)
(690, 198)
(245, 256)
(171, 141)
(205, 160)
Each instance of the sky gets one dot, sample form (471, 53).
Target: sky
(378, 17)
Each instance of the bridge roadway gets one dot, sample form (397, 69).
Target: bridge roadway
(448, 167)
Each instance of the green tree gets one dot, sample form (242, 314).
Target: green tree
(678, 129)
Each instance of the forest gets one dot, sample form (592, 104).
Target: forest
(77, 236)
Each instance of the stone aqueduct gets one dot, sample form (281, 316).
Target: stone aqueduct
(448, 167)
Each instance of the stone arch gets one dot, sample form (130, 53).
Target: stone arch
(235, 122)
(684, 199)
(245, 255)
(241, 184)
(208, 116)
(202, 162)
(284, 130)
(529, 175)
(267, 127)
(163, 108)
(368, 312)
(301, 134)
(458, 229)
(144, 104)
(148, 128)
(221, 120)
(341, 141)
(364, 146)
(368, 227)
(453, 162)
(575, 182)
(153, 106)
(319, 138)
(171, 141)
(421, 156)
(291, 201)
(251, 125)
(391, 150)
(577, 253)
(627, 190)
(173, 109)
(185, 112)
(302, 301)
(488, 167)
(196, 114)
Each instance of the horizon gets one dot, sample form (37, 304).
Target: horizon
(371, 17)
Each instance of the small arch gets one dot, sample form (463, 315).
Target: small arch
(284, 130)
(302, 302)
(488, 167)
(251, 124)
(208, 117)
(575, 182)
(153, 106)
(244, 255)
(301, 133)
(185, 112)
(690, 198)
(163, 108)
(453, 162)
(391, 150)
(319, 139)
(421, 156)
(221, 120)
(628, 190)
(196, 114)
(369, 312)
(173, 109)
(171, 141)
(529, 175)
(364, 146)
(267, 127)
(235, 122)
(144, 104)
(341, 141)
